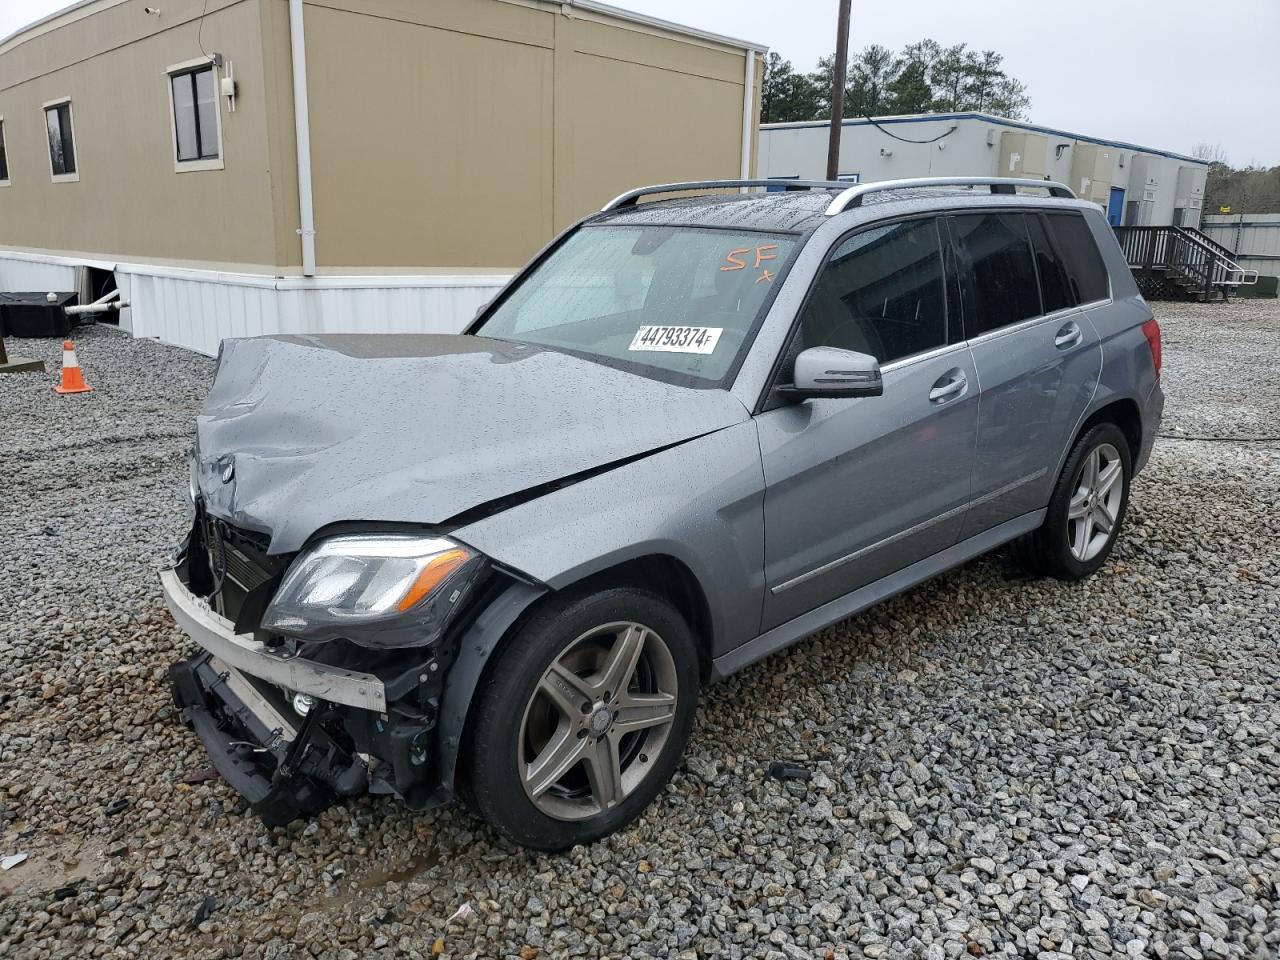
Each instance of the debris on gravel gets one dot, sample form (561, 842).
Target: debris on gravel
(999, 766)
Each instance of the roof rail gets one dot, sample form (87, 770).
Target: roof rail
(852, 197)
(629, 198)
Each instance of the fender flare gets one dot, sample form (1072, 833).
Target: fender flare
(474, 649)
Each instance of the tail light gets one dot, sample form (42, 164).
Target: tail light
(1151, 330)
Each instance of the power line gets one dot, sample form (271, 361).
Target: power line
(200, 30)
(889, 133)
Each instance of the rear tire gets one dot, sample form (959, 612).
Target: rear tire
(1086, 510)
(583, 718)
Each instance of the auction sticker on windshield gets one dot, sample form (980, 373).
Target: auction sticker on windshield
(677, 339)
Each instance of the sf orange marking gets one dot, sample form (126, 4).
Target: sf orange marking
(764, 275)
(733, 257)
(760, 255)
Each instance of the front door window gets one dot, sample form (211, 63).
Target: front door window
(882, 293)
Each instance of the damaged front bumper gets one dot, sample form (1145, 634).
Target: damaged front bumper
(236, 693)
(217, 635)
(284, 770)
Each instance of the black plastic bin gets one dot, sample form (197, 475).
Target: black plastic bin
(35, 315)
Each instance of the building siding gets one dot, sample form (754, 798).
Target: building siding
(988, 147)
(1254, 237)
(457, 134)
(437, 155)
(471, 144)
(450, 140)
(129, 202)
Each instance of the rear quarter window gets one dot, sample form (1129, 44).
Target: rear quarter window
(997, 271)
(1055, 285)
(1086, 272)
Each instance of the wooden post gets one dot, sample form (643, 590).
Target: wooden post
(838, 72)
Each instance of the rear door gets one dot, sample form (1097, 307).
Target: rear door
(1037, 356)
(859, 488)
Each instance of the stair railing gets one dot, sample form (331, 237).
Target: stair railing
(1203, 264)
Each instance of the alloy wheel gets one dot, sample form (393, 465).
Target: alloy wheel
(1095, 506)
(599, 715)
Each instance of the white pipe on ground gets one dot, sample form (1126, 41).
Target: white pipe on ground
(302, 132)
(95, 308)
(101, 305)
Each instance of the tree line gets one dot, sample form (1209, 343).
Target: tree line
(1251, 189)
(923, 77)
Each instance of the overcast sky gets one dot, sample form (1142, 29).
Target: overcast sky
(1159, 73)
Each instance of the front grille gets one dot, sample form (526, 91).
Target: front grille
(241, 569)
(238, 566)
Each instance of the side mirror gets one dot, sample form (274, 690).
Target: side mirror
(823, 372)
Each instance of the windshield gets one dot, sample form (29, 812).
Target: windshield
(677, 303)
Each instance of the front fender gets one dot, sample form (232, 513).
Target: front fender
(475, 646)
(700, 502)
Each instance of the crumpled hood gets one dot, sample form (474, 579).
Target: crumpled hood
(302, 431)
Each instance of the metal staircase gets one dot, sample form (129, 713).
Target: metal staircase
(1181, 263)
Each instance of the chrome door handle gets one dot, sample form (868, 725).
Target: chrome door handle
(1068, 336)
(950, 384)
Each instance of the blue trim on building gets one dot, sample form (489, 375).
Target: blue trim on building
(998, 121)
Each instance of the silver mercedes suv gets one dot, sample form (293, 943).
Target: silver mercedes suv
(692, 431)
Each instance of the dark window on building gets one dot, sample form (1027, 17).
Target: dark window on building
(4, 157)
(195, 115)
(881, 293)
(1085, 271)
(62, 148)
(998, 274)
(1055, 290)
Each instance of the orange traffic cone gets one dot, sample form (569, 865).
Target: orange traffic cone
(72, 378)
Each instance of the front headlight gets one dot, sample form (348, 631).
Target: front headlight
(386, 590)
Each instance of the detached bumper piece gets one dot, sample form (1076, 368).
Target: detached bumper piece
(285, 770)
(361, 734)
(217, 635)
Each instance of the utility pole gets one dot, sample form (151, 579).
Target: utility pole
(837, 89)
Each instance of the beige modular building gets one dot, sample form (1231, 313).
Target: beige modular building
(253, 166)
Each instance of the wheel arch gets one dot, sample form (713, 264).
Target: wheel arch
(500, 621)
(1125, 414)
(672, 580)
(1123, 411)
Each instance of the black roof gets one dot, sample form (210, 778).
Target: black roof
(801, 211)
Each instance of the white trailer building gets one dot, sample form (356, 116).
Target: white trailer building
(1136, 186)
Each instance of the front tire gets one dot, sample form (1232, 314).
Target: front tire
(583, 718)
(1086, 510)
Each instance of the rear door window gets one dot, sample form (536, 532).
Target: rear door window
(1080, 258)
(1055, 290)
(997, 270)
(882, 293)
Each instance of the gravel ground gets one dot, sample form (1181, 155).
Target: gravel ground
(1001, 766)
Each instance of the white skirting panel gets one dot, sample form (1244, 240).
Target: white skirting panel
(34, 276)
(198, 309)
(199, 312)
